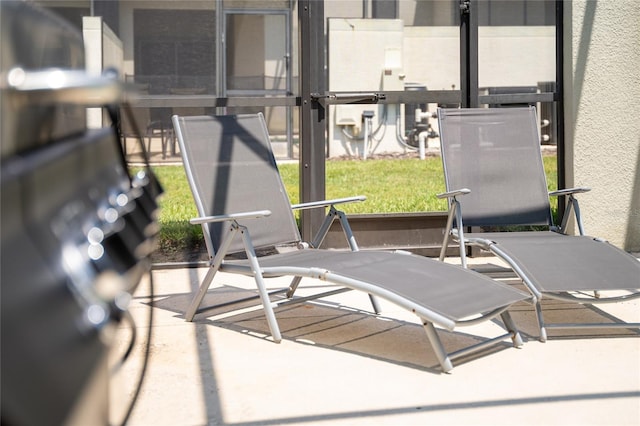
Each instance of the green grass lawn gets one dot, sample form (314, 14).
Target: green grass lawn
(390, 185)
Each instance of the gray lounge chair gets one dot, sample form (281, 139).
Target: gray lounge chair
(495, 177)
(244, 208)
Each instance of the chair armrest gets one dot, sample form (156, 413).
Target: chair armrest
(330, 216)
(233, 216)
(569, 191)
(325, 203)
(454, 193)
(572, 206)
(454, 212)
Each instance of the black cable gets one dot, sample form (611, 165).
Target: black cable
(145, 360)
(155, 189)
(126, 315)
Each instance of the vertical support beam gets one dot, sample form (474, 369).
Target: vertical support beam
(469, 53)
(560, 145)
(221, 44)
(468, 64)
(312, 115)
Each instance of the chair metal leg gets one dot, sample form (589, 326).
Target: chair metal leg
(163, 140)
(353, 245)
(197, 300)
(543, 330)
(262, 289)
(511, 327)
(447, 233)
(436, 344)
(375, 304)
(293, 286)
(346, 228)
(213, 269)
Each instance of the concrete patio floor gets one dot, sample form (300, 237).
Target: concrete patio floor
(338, 364)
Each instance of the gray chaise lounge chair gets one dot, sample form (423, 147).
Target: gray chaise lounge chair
(495, 177)
(244, 208)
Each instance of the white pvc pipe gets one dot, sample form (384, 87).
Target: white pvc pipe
(365, 148)
(422, 144)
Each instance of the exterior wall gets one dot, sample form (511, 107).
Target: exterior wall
(602, 98)
(359, 52)
(602, 93)
(103, 49)
(426, 56)
(507, 56)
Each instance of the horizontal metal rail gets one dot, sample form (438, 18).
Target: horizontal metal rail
(517, 98)
(479, 346)
(421, 232)
(209, 101)
(334, 98)
(388, 97)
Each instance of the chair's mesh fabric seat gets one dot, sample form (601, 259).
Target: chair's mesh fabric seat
(558, 262)
(451, 291)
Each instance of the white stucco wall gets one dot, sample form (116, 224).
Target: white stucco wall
(363, 51)
(103, 49)
(359, 52)
(602, 103)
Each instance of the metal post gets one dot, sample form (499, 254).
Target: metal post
(312, 115)
(469, 53)
(468, 67)
(559, 94)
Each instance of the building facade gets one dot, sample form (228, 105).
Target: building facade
(241, 49)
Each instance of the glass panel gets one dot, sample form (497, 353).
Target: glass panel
(517, 54)
(416, 52)
(175, 50)
(547, 115)
(258, 63)
(245, 65)
(429, 13)
(256, 54)
(516, 47)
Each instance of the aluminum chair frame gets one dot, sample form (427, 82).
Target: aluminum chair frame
(493, 243)
(336, 267)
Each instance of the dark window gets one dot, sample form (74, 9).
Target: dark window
(517, 13)
(175, 49)
(384, 9)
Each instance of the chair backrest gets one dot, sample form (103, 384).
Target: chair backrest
(231, 169)
(495, 152)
